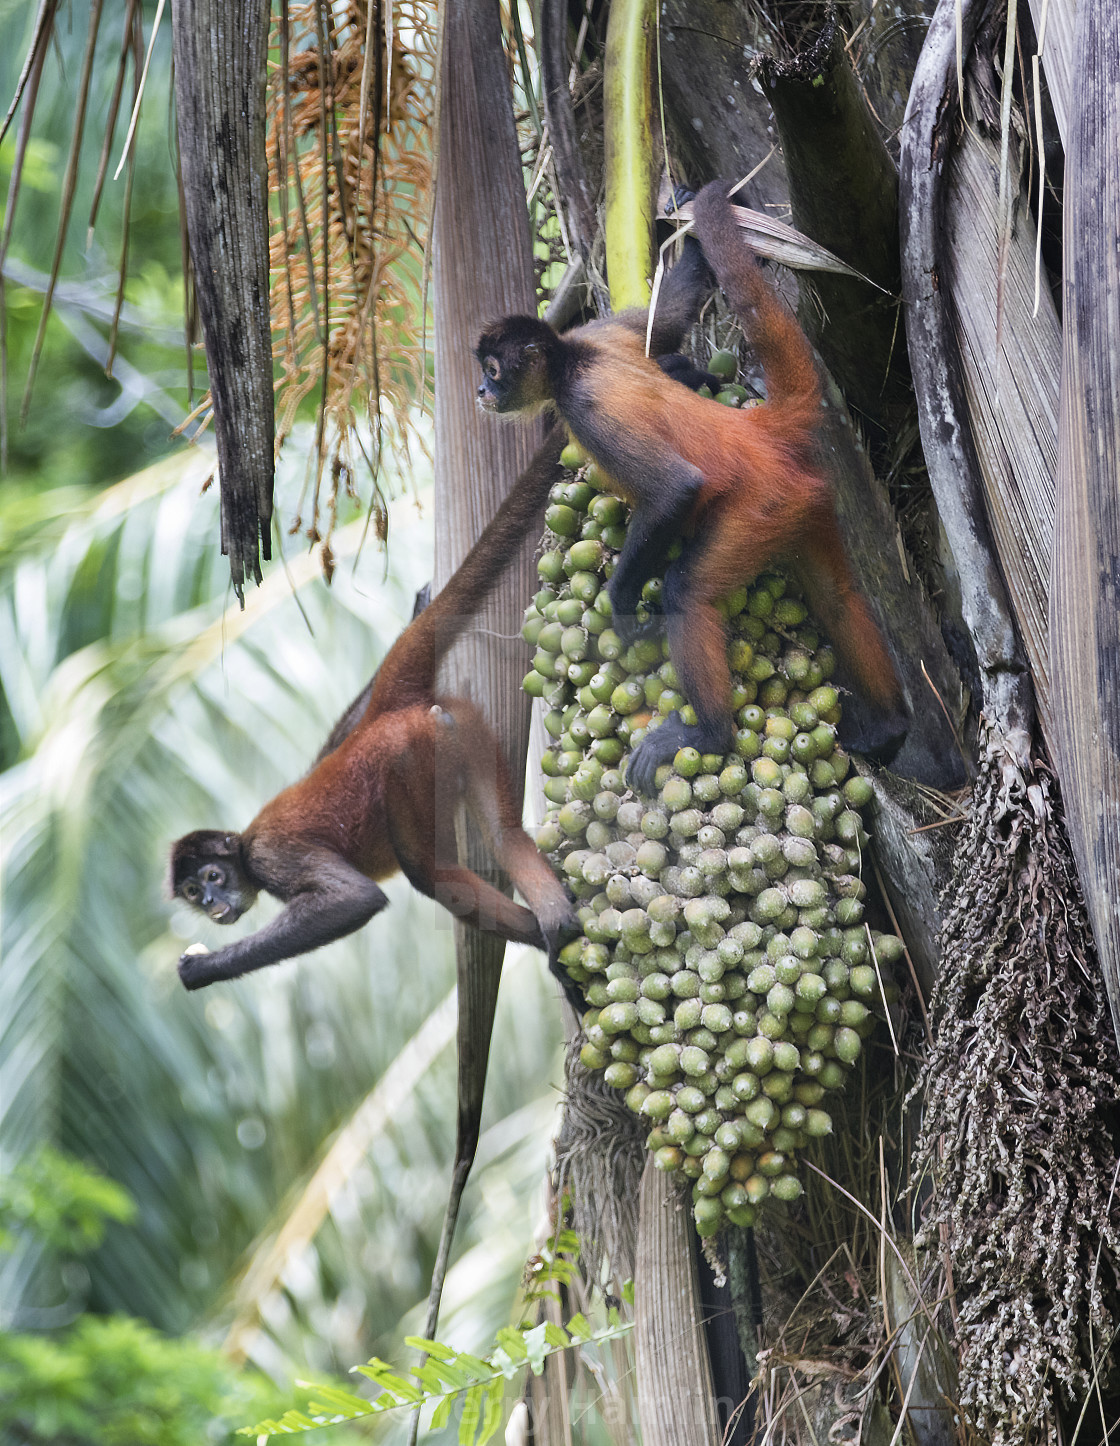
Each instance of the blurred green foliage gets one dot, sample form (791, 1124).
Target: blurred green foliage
(61, 1201)
(114, 1381)
(105, 1380)
(84, 427)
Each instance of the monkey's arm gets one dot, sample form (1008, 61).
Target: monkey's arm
(334, 900)
(655, 523)
(679, 300)
(663, 488)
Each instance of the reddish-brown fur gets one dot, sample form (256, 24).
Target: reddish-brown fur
(385, 801)
(385, 797)
(744, 488)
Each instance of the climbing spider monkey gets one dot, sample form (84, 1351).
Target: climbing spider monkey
(382, 796)
(744, 489)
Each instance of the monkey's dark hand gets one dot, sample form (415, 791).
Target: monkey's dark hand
(560, 926)
(632, 615)
(632, 626)
(657, 747)
(558, 923)
(198, 967)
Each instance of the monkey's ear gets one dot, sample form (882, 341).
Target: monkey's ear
(187, 852)
(532, 348)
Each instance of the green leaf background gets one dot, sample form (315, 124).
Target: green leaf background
(138, 703)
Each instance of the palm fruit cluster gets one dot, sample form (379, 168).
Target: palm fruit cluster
(729, 975)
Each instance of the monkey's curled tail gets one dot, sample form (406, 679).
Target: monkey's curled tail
(787, 359)
(408, 674)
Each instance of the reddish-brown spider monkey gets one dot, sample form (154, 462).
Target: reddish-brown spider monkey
(382, 796)
(744, 489)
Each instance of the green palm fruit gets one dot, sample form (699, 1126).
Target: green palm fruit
(722, 945)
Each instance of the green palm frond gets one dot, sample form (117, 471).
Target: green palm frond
(141, 707)
(360, 1282)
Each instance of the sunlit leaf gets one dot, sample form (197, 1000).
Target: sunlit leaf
(472, 1415)
(442, 1413)
(429, 1348)
(390, 1381)
(492, 1417)
(483, 1370)
(513, 1343)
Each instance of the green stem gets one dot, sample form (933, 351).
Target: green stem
(629, 151)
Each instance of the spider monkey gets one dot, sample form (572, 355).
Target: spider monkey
(382, 794)
(353, 714)
(744, 489)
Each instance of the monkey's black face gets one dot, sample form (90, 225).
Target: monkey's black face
(497, 392)
(215, 887)
(514, 372)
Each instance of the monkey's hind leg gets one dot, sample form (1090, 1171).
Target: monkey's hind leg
(489, 796)
(462, 893)
(698, 649)
(421, 799)
(875, 719)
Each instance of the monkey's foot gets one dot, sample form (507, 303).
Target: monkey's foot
(556, 937)
(876, 735)
(684, 370)
(661, 745)
(631, 625)
(558, 922)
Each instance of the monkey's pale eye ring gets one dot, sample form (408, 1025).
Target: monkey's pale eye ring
(213, 876)
(191, 892)
(492, 369)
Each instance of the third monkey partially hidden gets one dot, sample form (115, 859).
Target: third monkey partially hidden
(745, 489)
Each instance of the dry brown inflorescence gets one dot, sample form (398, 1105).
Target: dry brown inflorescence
(1020, 1118)
(351, 104)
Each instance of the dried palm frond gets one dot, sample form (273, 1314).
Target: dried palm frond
(350, 108)
(1010, 352)
(351, 102)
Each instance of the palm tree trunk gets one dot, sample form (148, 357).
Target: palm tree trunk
(482, 269)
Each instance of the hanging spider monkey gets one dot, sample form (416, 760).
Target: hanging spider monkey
(382, 796)
(354, 714)
(745, 489)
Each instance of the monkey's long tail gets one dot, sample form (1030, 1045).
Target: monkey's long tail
(785, 354)
(408, 672)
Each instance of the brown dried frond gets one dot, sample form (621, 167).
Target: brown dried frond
(350, 177)
(1020, 1123)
